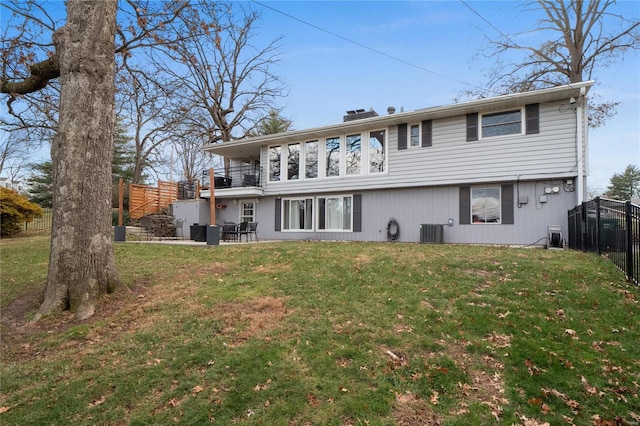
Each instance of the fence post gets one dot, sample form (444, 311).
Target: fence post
(629, 224)
(598, 239)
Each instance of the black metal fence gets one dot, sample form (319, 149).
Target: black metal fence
(234, 177)
(39, 223)
(610, 228)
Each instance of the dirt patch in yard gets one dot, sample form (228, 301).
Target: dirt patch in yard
(245, 320)
(411, 410)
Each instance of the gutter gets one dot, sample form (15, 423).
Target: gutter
(581, 120)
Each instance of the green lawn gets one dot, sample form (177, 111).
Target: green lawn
(325, 333)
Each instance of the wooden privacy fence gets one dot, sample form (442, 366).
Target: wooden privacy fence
(39, 223)
(144, 200)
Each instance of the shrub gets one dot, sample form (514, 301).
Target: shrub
(15, 209)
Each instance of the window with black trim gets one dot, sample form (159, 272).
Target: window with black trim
(414, 135)
(485, 205)
(297, 214)
(335, 213)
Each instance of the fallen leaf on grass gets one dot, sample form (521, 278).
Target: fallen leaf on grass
(434, 397)
(98, 401)
(196, 390)
(312, 400)
(572, 333)
(590, 389)
(4, 409)
(532, 422)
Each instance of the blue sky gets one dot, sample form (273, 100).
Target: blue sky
(439, 45)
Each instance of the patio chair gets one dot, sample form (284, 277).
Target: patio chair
(229, 231)
(253, 229)
(243, 229)
(179, 231)
(146, 226)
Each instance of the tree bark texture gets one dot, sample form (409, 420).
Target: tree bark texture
(82, 263)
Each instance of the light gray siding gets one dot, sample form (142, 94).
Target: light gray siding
(453, 160)
(412, 207)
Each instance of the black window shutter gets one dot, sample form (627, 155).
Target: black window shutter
(321, 213)
(402, 136)
(427, 127)
(357, 213)
(278, 215)
(532, 112)
(507, 204)
(465, 205)
(472, 127)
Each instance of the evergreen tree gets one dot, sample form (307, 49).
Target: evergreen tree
(625, 185)
(123, 156)
(40, 184)
(272, 124)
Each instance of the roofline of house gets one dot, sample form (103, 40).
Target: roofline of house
(246, 147)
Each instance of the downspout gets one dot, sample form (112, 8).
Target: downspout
(580, 146)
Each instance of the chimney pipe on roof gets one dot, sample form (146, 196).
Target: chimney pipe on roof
(357, 114)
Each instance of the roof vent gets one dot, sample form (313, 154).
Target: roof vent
(391, 110)
(357, 114)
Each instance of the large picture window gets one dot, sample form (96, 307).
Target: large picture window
(298, 214)
(485, 205)
(335, 213)
(502, 123)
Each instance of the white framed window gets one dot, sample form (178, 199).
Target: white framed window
(247, 211)
(275, 161)
(414, 135)
(293, 161)
(335, 156)
(486, 205)
(332, 157)
(335, 213)
(377, 151)
(501, 123)
(353, 155)
(311, 159)
(297, 214)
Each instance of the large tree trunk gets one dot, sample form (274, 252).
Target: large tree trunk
(82, 264)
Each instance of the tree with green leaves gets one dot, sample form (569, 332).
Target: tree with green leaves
(41, 184)
(123, 163)
(625, 185)
(271, 124)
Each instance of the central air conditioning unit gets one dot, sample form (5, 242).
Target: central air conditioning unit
(555, 241)
(431, 233)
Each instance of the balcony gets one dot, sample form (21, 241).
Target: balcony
(238, 182)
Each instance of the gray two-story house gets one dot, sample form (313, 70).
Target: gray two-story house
(499, 170)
